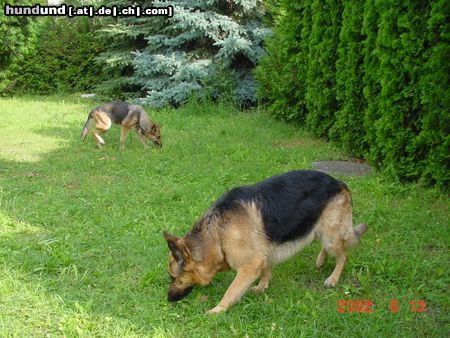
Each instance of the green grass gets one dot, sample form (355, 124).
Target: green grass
(81, 250)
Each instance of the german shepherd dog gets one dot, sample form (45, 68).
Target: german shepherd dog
(251, 228)
(128, 116)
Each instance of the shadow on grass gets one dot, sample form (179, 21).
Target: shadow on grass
(86, 225)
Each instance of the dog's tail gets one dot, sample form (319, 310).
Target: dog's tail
(360, 230)
(356, 234)
(86, 126)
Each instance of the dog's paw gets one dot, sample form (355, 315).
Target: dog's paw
(258, 289)
(216, 310)
(330, 282)
(319, 264)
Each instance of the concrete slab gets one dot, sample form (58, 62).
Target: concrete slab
(343, 168)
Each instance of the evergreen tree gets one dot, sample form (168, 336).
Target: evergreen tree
(279, 72)
(400, 46)
(124, 36)
(371, 64)
(205, 41)
(320, 79)
(62, 57)
(375, 78)
(348, 128)
(16, 37)
(433, 140)
(303, 60)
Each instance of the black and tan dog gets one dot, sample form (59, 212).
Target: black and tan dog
(128, 116)
(251, 228)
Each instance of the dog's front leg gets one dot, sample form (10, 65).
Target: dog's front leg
(143, 140)
(244, 278)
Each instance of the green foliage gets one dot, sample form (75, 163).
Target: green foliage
(371, 75)
(201, 38)
(399, 49)
(63, 58)
(320, 79)
(348, 128)
(433, 139)
(49, 54)
(16, 38)
(205, 45)
(279, 73)
(123, 37)
(370, 66)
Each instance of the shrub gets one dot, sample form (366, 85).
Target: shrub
(372, 76)
(62, 58)
(16, 38)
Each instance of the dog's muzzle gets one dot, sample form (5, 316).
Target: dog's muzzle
(176, 295)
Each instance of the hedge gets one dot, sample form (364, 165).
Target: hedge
(373, 76)
(59, 57)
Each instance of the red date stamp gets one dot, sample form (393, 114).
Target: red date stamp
(365, 306)
(350, 306)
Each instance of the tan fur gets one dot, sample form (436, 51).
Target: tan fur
(102, 124)
(239, 242)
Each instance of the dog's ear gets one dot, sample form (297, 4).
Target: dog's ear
(159, 125)
(177, 252)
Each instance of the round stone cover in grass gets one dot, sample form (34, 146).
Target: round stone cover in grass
(346, 168)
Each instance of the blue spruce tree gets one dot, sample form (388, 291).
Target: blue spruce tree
(208, 47)
(122, 36)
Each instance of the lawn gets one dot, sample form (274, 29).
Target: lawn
(82, 254)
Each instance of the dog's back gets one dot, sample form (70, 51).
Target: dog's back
(289, 204)
(117, 111)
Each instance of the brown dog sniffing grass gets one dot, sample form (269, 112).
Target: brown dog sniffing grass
(128, 116)
(251, 228)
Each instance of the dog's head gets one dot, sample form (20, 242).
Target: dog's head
(153, 134)
(185, 272)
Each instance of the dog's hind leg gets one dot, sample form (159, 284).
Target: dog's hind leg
(341, 258)
(245, 276)
(123, 136)
(344, 238)
(102, 124)
(99, 141)
(266, 276)
(320, 261)
(336, 234)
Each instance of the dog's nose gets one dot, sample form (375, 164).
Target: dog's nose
(176, 295)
